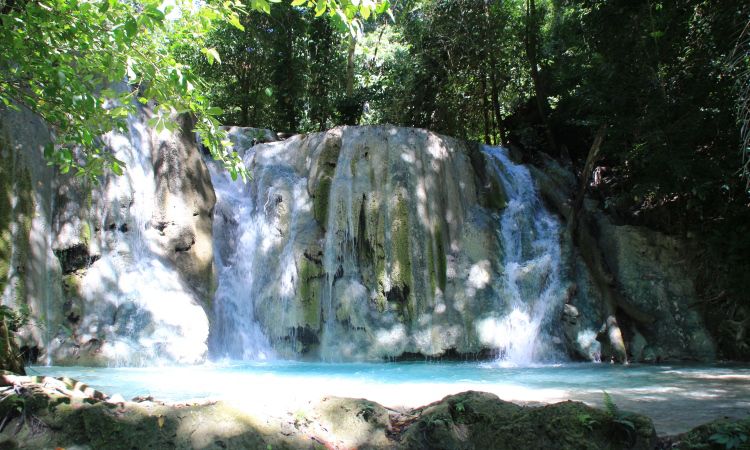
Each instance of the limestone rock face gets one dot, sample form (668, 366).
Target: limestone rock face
(29, 269)
(245, 137)
(657, 292)
(184, 206)
(638, 277)
(379, 242)
(117, 273)
(360, 243)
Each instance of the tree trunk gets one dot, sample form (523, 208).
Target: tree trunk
(485, 112)
(498, 136)
(591, 159)
(532, 44)
(350, 67)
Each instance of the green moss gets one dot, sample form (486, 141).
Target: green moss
(491, 191)
(320, 200)
(310, 275)
(72, 285)
(488, 422)
(14, 182)
(431, 265)
(497, 198)
(442, 265)
(720, 433)
(327, 161)
(401, 275)
(85, 233)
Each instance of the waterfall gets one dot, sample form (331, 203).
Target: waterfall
(137, 301)
(239, 235)
(531, 290)
(339, 257)
(407, 258)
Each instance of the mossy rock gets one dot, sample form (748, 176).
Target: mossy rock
(15, 229)
(717, 435)
(491, 192)
(321, 189)
(310, 276)
(320, 200)
(401, 272)
(478, 420)
(14, 182)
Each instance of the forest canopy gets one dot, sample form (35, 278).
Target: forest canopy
(83, 66)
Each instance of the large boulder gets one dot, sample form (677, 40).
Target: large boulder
(657, 296)
(630, 286)
(478, 420)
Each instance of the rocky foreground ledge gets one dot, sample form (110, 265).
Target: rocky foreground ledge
(46, 412)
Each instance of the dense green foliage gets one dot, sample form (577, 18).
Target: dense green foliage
(67, 60)
(668, 81)
(278, 73)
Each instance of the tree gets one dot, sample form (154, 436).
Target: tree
(64, 58)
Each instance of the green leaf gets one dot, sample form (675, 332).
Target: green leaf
(130, 27)
(268, 91)
(234, 20)
(320, 8)
(49, 150)
(382, 7)
(214, 111)
(298, 2)
(365, 11)
(211, 55)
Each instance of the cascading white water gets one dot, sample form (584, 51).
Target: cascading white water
(530, 237)
(152, 313)
(339, 259)
(239, 234)
(405, 259)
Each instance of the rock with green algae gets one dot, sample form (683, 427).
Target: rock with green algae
(10, 356)
(478, 420)
(44, 412)
(717, 435)
(384, 237)
(53, 225)
(47, 414)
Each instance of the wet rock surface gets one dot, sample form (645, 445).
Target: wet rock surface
(370, 243)
(112, 273)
